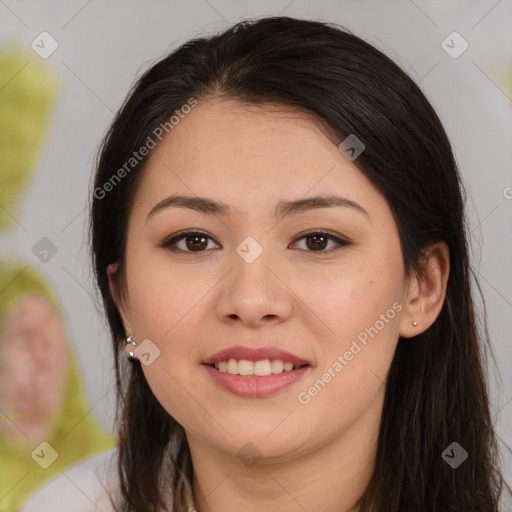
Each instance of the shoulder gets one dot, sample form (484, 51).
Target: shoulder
(84, 487)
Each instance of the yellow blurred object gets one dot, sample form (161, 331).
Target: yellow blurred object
(74, 432)
(26, 96)
(27, 92)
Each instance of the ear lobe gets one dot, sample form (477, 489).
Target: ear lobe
(117, 297)
(427, 292)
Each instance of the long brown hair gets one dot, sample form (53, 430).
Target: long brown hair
(436, 390)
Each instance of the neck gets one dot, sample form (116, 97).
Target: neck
(328, 478)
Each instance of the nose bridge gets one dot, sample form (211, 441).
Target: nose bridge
(253, 260)
(253, 291)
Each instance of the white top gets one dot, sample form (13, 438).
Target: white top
(81, 487)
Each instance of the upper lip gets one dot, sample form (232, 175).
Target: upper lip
(255, 354)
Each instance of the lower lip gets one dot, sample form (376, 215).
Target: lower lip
(255, 387)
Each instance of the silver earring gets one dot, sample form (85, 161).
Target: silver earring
(414, 323)
(131, 341)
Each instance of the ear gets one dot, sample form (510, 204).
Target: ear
(122, 306)
(426, 293)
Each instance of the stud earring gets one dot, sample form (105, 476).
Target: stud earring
(414, 323)
(131, 341)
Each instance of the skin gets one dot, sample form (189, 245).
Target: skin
(33, 367)
(318, 456)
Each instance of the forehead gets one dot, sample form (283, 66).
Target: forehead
(217, 125)
(248, 155)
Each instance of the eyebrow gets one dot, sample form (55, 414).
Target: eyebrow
(283, 209)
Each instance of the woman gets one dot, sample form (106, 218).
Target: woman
(278, 235)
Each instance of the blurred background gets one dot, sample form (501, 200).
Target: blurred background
(65, 68)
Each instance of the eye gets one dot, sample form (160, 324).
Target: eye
(317, 240)
(197, 241)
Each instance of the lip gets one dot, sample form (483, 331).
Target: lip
(255, 354)
(255, 387)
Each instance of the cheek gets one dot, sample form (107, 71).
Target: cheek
(172, 378)
(166, 306)
(352, 299)
(359, 310)
(349, 381)
(162, 295)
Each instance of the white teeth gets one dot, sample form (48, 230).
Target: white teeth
(277, 366)
(245, 367)
(261, 368)
(232, 367)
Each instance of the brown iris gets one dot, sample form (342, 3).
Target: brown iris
(196, 242)
(320, 243)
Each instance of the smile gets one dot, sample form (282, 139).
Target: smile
(262, 368)
(252, 385)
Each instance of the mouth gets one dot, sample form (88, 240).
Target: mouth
(260, 368)
(255, 386)
(259, 361)
(255, 372)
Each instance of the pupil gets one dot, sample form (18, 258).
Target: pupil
(194, 246)
(317, 244)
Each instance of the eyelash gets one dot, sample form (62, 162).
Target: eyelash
(170, 243)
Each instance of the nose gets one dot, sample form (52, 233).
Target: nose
(255, 293)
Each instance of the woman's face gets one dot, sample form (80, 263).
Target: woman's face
(257, 277)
